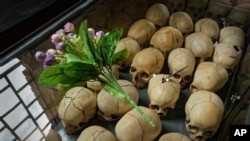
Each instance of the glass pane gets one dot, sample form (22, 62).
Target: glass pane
(42, 121)
(16, 116)
(8, 65)
(27, 95)
(6, 135)
(35, 109)
(17, 78)
(1, 125)
(36, 136)
(25, 129)
(7, 100)
(3, 83)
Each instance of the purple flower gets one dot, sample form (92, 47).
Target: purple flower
(69, 27)
(91, 31)
(55, 38)
(99, 33)
(48, 61)
(50, 52)
(59, 45)
(69, 35)
(40, 56)
(60, 31)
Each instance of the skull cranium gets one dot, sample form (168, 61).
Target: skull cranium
(209, 76)
(181, 64)
(145, 63)
(96, 133)
(163, 92)
(111, 108)
(204, 112)
(76, 108)
(133, 127)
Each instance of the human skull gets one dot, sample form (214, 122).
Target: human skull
(96, 133)
(209, 27)
(76, 108)
(209, 76)
(174, 136)
(111, 108)
(132, 46)
(166, 39)
(196, 8)
(204, 112)
(133, 127)
(158, 14)
(201, 45)
(238, 16)
(142, 30)
(182, 21)
(227, 55)
(147, 62)
(96, 85)
(53, 136)
(181, 64)
(163, 93)
(233, 35)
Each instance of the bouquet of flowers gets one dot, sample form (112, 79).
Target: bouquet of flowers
(84, 56)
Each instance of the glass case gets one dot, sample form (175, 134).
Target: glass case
(27, 108)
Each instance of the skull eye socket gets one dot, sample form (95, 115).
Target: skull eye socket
(187, 78)
(114, 116)
(193, 129)
(81, 124)
(132, 69)
(156, 107)
(144, 75)
(209, 133)
(177, 76)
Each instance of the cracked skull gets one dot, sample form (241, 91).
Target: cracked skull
(133, 127)
(132, 46)
(166, 39)
(181, 64)
(163, 93)
(209, 27)
(174, 136)
(233, 35)
(209, 76)
(158, 14)
(204, 112)
(201, 45)
(76, 108)
(227, 55)
(111, 108)
(147, 62)
(182, 21)
(142, 30)
(96, 133)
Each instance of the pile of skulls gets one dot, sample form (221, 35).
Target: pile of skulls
(198, 56)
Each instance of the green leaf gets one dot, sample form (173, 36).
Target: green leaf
(82, 70)
(52, 75)
(72, 58)
(120, 55)
(89, 49)
(107, 45)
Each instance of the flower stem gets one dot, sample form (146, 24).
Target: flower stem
(113, 87)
